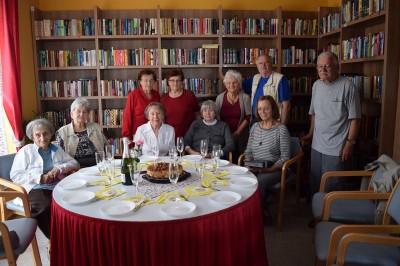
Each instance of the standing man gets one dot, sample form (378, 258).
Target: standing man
(268, 82)
(335, 118)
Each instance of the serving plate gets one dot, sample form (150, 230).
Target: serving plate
(78, 197)
(183, 176)
(243, 182)
(225, 197)
(178, 208)
(236, 170)
(73, 184)
(118, 208)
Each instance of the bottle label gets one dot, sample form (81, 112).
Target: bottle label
(122, 178)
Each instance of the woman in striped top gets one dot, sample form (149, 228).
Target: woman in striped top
(269, 140)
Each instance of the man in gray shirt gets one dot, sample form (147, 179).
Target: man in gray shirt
(335, 118)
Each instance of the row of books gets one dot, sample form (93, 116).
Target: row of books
(112, 117)
(193, 56)
(355, 9)
(334, 48)
(69, 88)
(118, 87)
(299, 56)
(64, 58)
(369, 127)
(299, 26)
(128, 57)
(127, 26)
(198, 86)
(369, 87)
(329, 23)
(250, 26)
(64, 27)
(362, 47)
(183, 26)
(247, 55)
(63, 117)
(299, 113)
(301, 85)
(117, 143)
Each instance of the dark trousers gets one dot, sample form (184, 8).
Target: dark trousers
(40, 204)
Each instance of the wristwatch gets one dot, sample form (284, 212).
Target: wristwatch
(351, 141)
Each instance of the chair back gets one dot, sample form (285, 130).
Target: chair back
(6, 162)
(393, 205)
(295, 147)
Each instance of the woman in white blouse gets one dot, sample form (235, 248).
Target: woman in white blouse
(157, 137)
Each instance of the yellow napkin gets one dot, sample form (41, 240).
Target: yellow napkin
(185, 162)
(218, 174)
(105, 182)
(109, 193)
(117, 173)
(164, 197)
(198, 191)
(138, 198)
(214, 182)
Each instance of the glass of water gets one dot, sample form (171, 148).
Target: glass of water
(204, 147)
(100, 161)
(216, 153)
(199, 164)
(134, 173)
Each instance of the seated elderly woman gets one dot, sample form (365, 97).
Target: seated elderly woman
(81, 139)
(156, 136)
(269, 141)
(38, 167)
(215, 131)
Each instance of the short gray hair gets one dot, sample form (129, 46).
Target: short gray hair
(39, 123)
(331, 55)
(155, 104)
(231, 73)
(267, 56)
(209, 104)
(80, 102)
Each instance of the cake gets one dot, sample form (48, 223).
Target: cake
(160, 170)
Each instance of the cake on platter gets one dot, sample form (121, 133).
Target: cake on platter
(160, 170)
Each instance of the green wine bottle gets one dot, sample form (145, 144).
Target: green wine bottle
(126, 160)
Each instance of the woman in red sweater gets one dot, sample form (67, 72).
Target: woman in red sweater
(137, 102)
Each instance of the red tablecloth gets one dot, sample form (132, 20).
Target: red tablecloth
(233, 236)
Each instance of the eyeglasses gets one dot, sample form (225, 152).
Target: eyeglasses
(147, 80)
(174, 80)
(266, 108)
(327, 67)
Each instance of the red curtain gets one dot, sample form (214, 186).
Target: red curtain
(9, 47)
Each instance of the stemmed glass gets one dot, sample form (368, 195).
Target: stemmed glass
(216, 153)
(110, 171)
(199, 164)
(173, 176)
(204, 147)
(179, 146)
(100, 161)
(109, 152)
(134, 173)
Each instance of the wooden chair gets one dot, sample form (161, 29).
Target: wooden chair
(288, 175)
(361, 244)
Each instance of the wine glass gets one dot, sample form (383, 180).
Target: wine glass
(216, 153)
(134, 173)
(179, 146)
(109, 152)
(199, 164)
(173, 176)
(100, 160)
(110, 171)
(204, 147)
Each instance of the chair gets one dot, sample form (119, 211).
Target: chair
(361, 244)
(7, 207)
(25, 227)
(287, 176)
(343, 210)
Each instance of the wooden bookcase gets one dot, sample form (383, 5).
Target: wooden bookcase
(102, 39)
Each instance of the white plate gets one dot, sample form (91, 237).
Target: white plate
(147, 158)
(191, 157)
(89, 170)
(236, 170)
(225, 197)
(78, 197)
(243, 181)
(178, 208)
(223, 162)
(73, 184)
(117, 208)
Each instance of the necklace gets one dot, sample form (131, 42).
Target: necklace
(232, 99)
(266, 130)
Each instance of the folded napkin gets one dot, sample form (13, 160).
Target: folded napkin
(217, 174)
(105, 182)
(198, 191)
(164, 197)
(138, 198)
(117, 173)
(109, 193)
(214, 182)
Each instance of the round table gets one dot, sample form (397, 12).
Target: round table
(214, 234)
